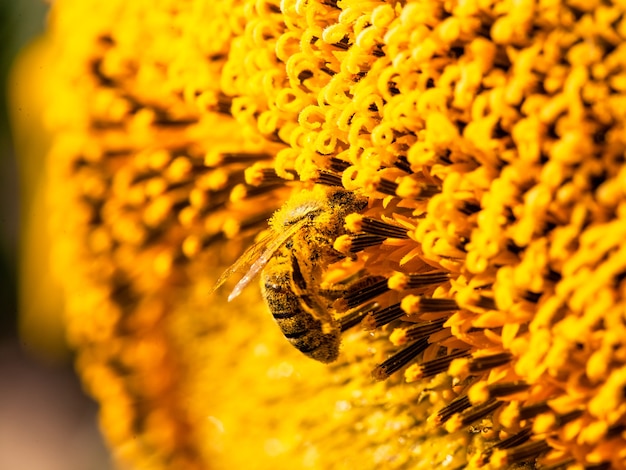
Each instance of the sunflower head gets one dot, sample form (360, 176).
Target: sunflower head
(454, 172)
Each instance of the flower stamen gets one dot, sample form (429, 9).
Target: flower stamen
(362, 291)
(399, 360)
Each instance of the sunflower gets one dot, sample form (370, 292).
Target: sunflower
(481, 297)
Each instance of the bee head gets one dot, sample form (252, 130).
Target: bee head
(345, 202)
(334, 202)
(305, 204)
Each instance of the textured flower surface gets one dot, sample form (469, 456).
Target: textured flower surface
(487, 264)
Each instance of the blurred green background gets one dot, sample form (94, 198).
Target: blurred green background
(46, 422)
(21, 21)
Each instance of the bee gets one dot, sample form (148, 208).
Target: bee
(292, 258)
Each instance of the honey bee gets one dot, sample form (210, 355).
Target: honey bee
(292, 258)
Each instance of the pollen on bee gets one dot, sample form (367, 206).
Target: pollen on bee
(299, 206)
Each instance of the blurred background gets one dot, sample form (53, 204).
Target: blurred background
(46, 422)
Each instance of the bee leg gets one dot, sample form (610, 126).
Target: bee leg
(310, 297)
(355, 316)
(299, 281)
(333, 291)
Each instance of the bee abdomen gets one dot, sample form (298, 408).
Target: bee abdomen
(306, 334)
(294, 334)
(304, 331)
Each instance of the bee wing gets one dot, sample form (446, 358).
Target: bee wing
(256, 257)
(244, 262)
